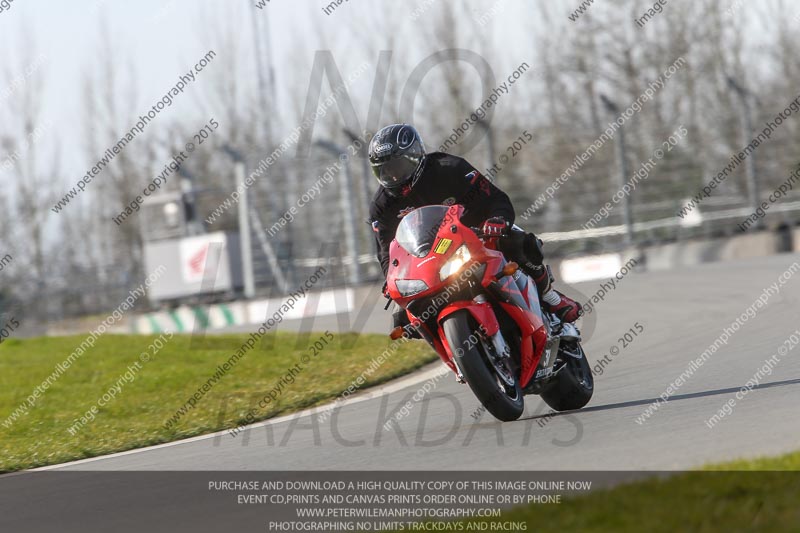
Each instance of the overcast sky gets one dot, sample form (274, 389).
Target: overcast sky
(164, 38)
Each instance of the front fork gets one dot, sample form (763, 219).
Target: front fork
(501, 355)
(483, 314)
(500, 352)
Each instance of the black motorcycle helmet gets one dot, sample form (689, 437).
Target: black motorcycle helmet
(395, 154)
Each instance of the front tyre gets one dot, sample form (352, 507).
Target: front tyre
(495, 386)
(573, 385)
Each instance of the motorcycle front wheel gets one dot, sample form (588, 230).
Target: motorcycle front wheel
(573, 385)
(495, 386)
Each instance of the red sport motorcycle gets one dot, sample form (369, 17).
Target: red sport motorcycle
(482, 315)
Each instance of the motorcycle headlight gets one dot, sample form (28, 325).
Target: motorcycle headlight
(459, 259)
(410, 287)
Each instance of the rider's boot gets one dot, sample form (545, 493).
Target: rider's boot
(566, 309)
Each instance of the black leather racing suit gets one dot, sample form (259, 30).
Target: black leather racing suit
(445, 179)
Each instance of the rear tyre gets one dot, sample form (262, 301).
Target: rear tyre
(498, 390)
(573, 386)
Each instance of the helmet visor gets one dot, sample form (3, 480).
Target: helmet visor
(395, 172)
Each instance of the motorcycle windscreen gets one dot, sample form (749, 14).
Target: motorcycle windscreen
(417, 231)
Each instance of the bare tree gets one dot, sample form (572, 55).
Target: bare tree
(112, 106)
(33, 166)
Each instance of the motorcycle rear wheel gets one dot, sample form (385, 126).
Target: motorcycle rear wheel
(505, 401)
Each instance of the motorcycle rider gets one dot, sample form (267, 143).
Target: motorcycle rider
(409, 178)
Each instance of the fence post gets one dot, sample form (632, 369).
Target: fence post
(622, 164)
(750, 164)
(348, 210)
(245, 246)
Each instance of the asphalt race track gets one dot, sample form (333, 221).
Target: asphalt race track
(682, 312)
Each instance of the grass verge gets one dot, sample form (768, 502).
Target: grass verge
(759, 495)
(155, 389)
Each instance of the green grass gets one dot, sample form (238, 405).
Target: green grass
(781, 463)
(137, 416)
(760, 495)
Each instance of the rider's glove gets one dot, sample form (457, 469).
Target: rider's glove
(494, 227)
